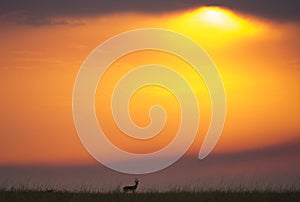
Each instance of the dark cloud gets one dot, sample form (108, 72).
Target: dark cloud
(36, 11)
(275, 166)
(287, 10)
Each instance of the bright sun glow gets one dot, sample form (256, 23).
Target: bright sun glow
(216, 17)
(213, 16)
(214, 23)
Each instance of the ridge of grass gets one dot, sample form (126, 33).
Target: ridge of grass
(44, 194)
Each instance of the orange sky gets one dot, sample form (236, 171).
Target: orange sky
(257, 59)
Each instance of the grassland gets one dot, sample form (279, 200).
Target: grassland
(15, 195)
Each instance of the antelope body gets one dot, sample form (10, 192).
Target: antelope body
(131, 188)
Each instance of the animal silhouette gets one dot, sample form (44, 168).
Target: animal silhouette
(131, 188)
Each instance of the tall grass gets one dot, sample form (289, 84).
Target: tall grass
(45, 194)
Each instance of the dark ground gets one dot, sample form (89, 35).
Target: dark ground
(205, 196)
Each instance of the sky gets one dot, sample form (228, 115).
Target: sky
(254, 44)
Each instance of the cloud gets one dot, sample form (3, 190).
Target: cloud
(276, 166)
(25, 18)
(272, 9)
(285, 150)
(38, 12)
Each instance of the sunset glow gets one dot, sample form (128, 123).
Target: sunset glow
(257, 85)
(257, 57)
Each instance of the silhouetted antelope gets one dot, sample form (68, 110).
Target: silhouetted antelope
(131, 188)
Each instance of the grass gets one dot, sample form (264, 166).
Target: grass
(21, 194)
